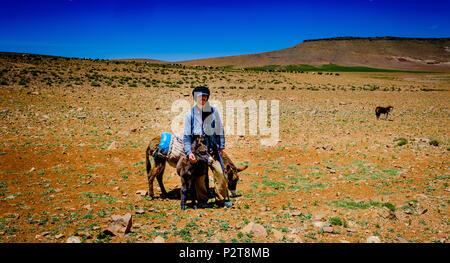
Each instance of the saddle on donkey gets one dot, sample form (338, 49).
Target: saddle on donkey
(170, 147)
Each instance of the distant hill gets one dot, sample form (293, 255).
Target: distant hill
(146, 60)
(380, 52)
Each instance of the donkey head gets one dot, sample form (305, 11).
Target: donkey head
(200, 151)
(232, 173)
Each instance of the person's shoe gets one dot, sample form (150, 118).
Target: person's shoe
(225, 204)
(203, 205)
(228, 204)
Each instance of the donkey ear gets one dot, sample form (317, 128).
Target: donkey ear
(241, 168)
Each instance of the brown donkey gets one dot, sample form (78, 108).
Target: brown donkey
(156, 163)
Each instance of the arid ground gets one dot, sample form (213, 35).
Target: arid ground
(337, 174)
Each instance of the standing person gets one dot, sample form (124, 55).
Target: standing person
(204, 120)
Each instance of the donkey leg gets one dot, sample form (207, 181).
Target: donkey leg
(206, 181)
(183, 193)
(150, 165)
(150, 162)
(193, 195)
(156, 170)
(159, 177)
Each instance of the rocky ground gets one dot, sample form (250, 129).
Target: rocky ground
(74, 134)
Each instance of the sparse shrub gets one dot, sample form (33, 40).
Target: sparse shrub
(337, 221)
(95, 84)
(401, 141)
(23, 81)
(389, 205)
(434, 143)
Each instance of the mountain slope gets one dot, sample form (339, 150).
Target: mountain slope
(381, 52)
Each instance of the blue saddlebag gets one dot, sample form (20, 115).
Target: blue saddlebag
(164, 144)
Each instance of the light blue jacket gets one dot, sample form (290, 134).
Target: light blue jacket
(212, 128)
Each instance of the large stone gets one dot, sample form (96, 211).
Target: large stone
(159, 239)
(387, 213)
(373, 239)
(73, 239)
(121, 225)
(278, 235)
(255, 229)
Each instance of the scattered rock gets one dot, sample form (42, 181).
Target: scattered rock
(142, 192)
(59, 236)
(125, 133)
(319, 217)
(387, 213)
(373, 239)
(87, 207)
(328, 229)
(296, 213)
(277, 235)
(32, 170)
(256, 229)
(294, 238)
(422, 196)
(120, 226)
(402, 240)
(112, 146)
(81, 117)
(159, 239)
(73, 239)
(140, 211)
(85, 234)
(320, 224)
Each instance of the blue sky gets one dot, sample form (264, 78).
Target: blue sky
(181, 30)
